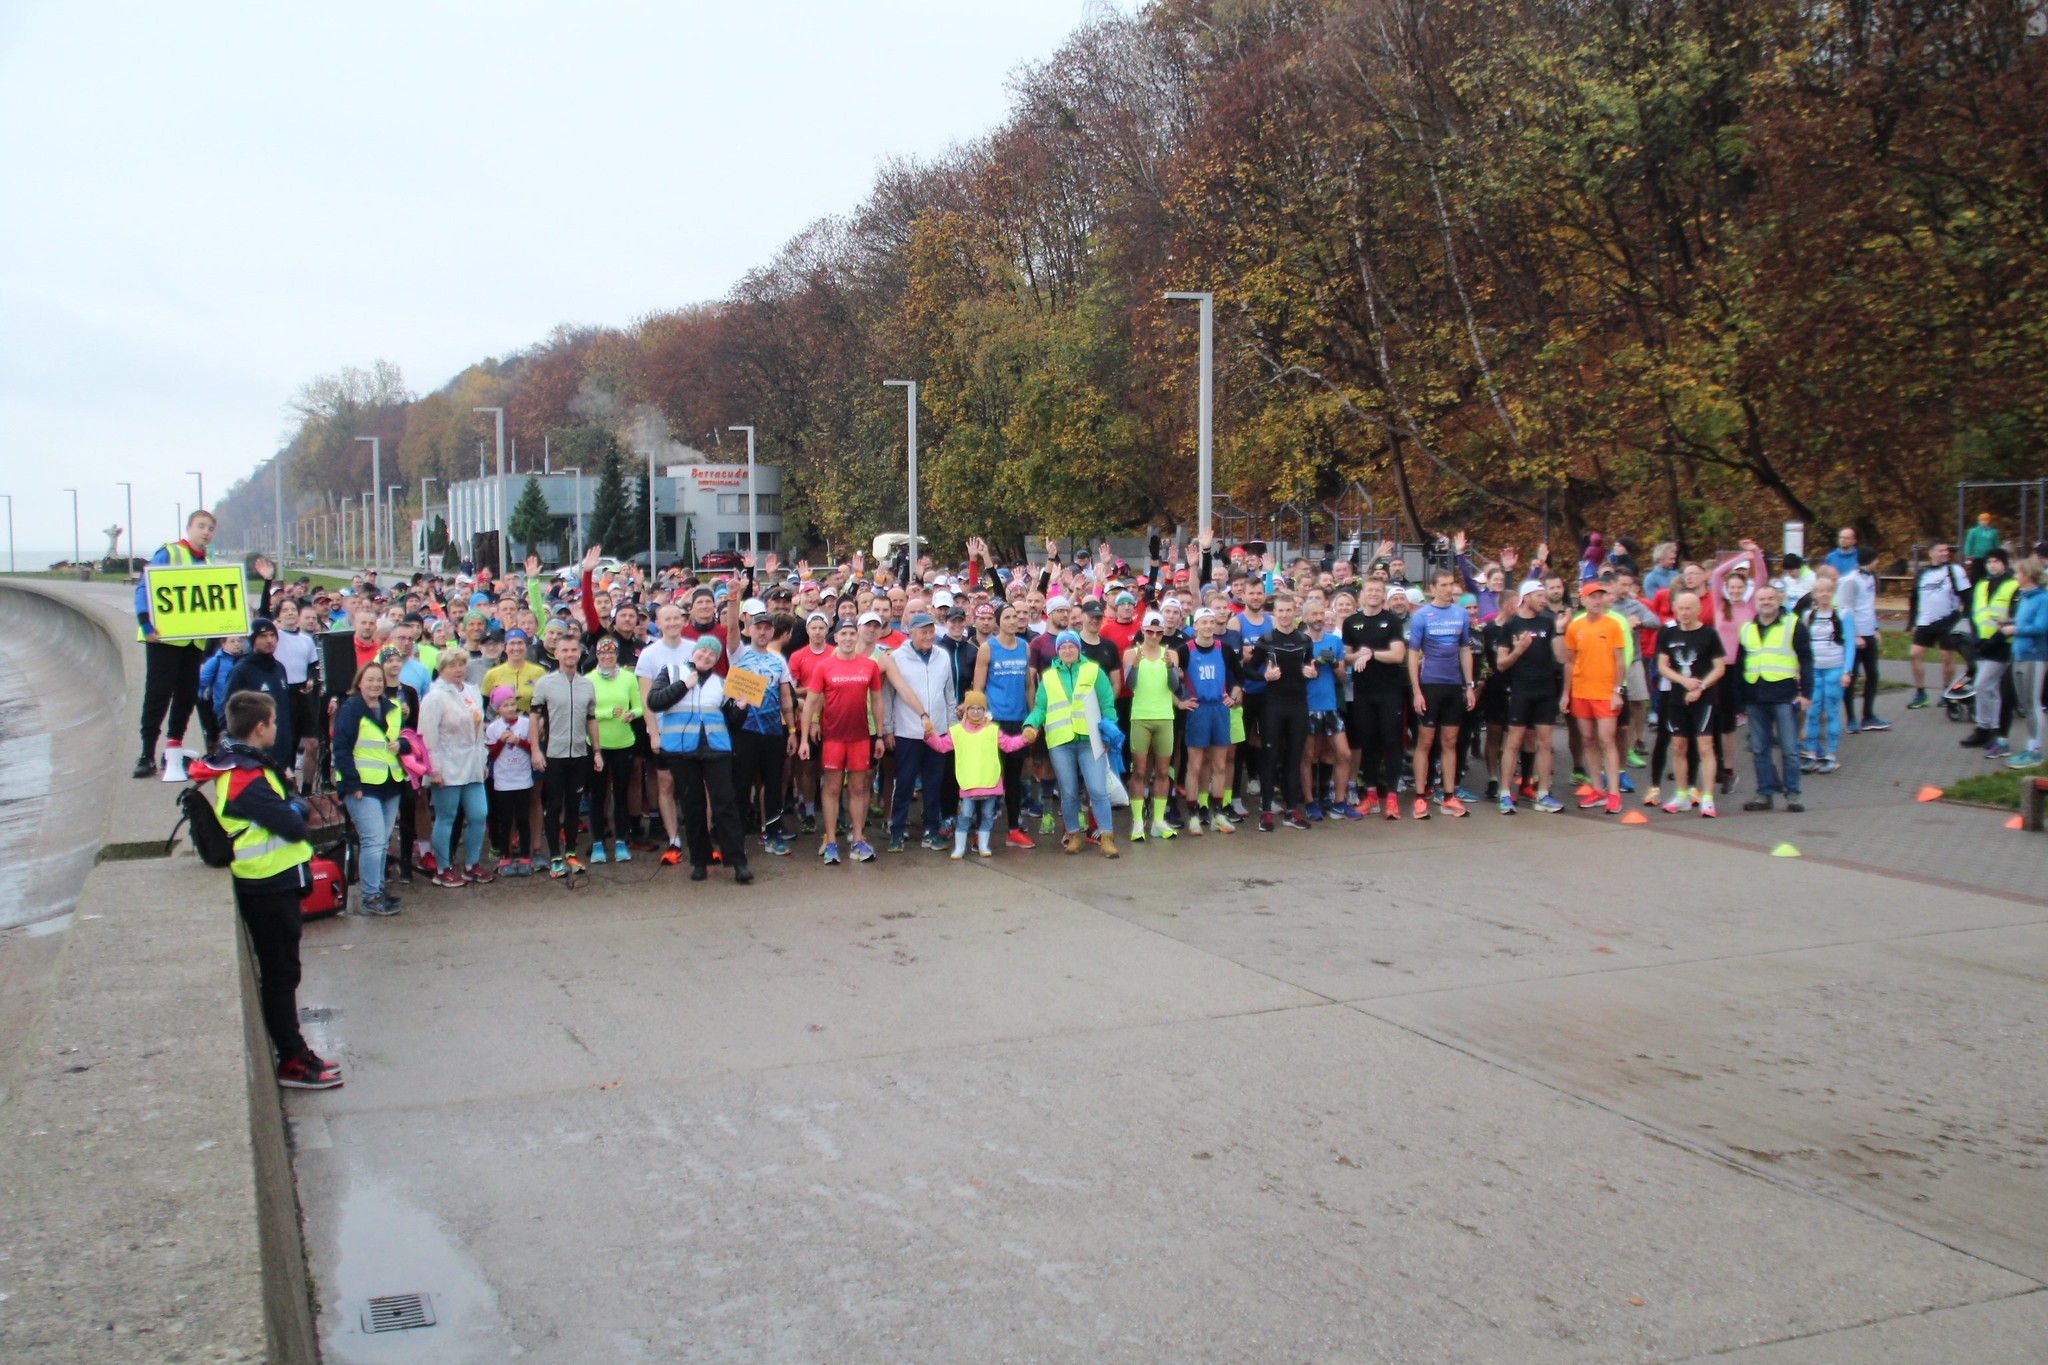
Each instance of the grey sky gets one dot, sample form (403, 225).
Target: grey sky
(208, 204)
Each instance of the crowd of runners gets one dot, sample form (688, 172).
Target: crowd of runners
(985, 705)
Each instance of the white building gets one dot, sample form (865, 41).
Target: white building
(705, 502)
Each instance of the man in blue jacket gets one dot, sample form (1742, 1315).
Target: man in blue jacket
(260, 671)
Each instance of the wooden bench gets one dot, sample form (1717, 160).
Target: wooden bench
(2032, 789)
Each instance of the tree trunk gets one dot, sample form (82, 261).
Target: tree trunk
(1402, 490)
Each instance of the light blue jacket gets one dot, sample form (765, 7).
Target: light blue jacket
(2030, 627)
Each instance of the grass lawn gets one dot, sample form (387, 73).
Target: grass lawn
(1997, 788)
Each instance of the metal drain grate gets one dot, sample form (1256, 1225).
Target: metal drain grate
(398, 1312)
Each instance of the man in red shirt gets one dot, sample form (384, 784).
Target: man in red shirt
(843, 720)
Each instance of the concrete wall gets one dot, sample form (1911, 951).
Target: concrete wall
(147, 1210)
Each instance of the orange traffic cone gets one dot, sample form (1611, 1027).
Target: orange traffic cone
(2015, 823)
(1635, 817)
(1929, 794)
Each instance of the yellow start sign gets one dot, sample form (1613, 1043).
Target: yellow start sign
(196, 601)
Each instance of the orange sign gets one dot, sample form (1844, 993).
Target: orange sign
(745, 686)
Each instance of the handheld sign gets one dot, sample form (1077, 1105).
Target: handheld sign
(196, 601)
(742, 685)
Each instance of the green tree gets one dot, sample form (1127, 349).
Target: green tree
(532, 523)
(611, 521)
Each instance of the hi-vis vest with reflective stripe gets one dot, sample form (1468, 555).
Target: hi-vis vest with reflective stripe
(1991, 609)
(1063, 715)
(691, 725)
(258, 852)
(1769, 658)
(178, 555)
(376, 751)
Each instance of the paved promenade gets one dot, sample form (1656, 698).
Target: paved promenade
(1529, 1090)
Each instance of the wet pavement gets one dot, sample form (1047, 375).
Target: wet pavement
(1516, 1090)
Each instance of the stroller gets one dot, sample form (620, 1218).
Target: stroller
(1959, 698)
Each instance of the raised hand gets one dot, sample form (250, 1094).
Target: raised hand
(590, 558)
(1508, 558)
(533, 566)
(768, 562)
(1458, 543)
(1543, 552)
(1385, 550)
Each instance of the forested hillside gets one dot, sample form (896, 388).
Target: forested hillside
(1678, 268)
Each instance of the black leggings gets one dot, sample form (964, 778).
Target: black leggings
(1866, 664)
(273, 919)
(561, 802)
(170, 684)
(610, 822)
(758, 758)
(511, 829)
(1376, 717)
(1286, 732)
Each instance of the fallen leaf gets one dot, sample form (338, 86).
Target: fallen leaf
(1637, 1302)
(1202, 1156)
(1603, 949)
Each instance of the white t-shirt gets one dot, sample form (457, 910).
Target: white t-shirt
(674, 658)
(512, 769)
(298, 652)
(1941, 593)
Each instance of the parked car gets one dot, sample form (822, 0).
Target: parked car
(719, 559)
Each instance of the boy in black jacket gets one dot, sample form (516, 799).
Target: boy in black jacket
(248, 792)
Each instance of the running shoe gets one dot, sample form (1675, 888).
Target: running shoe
(1045, 823)
(1507, 803)
(1707, 804)
(620, 853)
(1920, 701)
(1462, 795)
(2025, 758)
(1456, 807)
(1678, 803)
(1998, 748)
(1876, 723)
(1295, 819)
(1314, 810)
(1830, 764)
(1237, 810)
(307, 1072)
(1017, 838)
(1221, 822)
(671, 856)
(1808, 763)
(1160, 829)
(1853, 728)
(1370, 805)
(1193, 828)
(1348, 811)
(427, 862)
(1420, 810)
(1650, 796)
(1592, 799)
(1392, 808)
(1579, 778)
(1492, 788)
(1137, 830)
(810, 822)
(1728, 780)
(895, 843)
(1544, 803)
(597, 853)
(1175, 819)
(829, 855)
(1627, 785)
(557, 868)
(450, 878)
(1634, 758)
(699, 871)
(861, 852)
(479, 873)
(574, 864)
(1614, 804)
(504, 867)
(777, 845)
(1031, 806)
(1265, 822)
(523, 868)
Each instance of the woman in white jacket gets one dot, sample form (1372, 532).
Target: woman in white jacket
(452, 724)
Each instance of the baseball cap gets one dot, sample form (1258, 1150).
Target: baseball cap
(1124, 597)
(921, 618)
(942, 599)
(817, 616)
(514, 634)
(1205, 613)
(1092, 607)
(754, 606)
(956, 613)
(870, 618)
(1154, 621)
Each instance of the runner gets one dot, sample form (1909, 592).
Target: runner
(1526, 654)
(1155, 693)
(1378, 658)
(1325, 756)
(1441, 689)
(616, 695)
(766, 736)
(842, 717)
(1214, 688)
(1595, 656)
(1283, 657)
(1689, 670)
(566, 752)
(1936, 610)
(452, 726)
(667, 656)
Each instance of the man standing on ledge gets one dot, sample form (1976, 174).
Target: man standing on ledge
(171, 682)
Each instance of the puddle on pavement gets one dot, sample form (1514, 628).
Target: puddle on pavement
(387, 1246)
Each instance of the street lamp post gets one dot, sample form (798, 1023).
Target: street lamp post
(1205, 430)
(74, 525)
(911, 386)
(277, 510)
(201, 478)
(130, 527)
(370, 538)
(343, 537)
(390, 516)
(423, 503)
(10, 530)
(653, 557)
(753, 532)
(499, 508)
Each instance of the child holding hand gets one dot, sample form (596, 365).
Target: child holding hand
(977, 745)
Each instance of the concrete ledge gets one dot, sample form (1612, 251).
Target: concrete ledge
(147, 1211)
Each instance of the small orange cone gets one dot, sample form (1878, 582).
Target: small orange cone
(1635, 817)
(2015, 823)
(1583, 790)
(1929, 794)
(1784, 851)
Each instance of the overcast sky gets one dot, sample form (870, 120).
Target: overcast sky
(208, 204)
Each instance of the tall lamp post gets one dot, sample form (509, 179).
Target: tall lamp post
(577, 470)
(423, 502)
(74, 524)
(911, 386)
(343, 537)
(390, 515)
(753, 534)
(201, 479)
(10, 530)
(498, 500)
(1205, 430)
(370, 538)
(277, 510)
(130, 527)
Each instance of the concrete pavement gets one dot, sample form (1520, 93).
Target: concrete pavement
(1528, 1090)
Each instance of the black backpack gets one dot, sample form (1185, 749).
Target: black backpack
(209, 840)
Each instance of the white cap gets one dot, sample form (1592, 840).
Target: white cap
(1204, 614)
(869, 617)
(1153, 620)
(1414, 596)
(817, 616)
(1170, 602)
(753, 606)
(942, 599)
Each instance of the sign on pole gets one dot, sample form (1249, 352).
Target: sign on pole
(1795, 538)
(196, 601)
